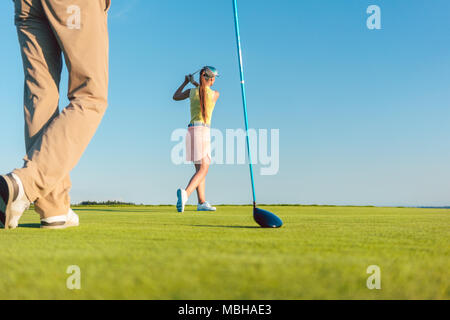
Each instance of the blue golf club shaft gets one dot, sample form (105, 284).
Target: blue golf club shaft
(244, 99)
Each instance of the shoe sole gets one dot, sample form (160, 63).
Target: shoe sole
(9, 203)
(180, 207)
(60, 226)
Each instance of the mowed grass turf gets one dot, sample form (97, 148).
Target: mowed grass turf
(153, 252)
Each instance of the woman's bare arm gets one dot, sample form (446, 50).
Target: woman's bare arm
(216, 96)
(180, 94)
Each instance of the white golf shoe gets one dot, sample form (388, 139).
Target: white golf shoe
(19, 205)
(205, 206)
(71, 219)
(182, 199)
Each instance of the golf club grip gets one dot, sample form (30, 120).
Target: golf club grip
(244, 99)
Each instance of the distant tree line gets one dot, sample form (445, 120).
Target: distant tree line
(106, 203)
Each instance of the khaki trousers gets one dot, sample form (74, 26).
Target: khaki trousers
(47, 31)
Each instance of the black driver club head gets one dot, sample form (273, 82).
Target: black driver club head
(266, 219)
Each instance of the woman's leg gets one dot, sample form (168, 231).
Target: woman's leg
(201, 187)
(199, 176)
(201, 192)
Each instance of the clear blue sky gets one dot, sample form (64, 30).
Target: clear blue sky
(363, 115)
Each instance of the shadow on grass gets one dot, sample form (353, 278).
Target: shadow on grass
(30, 225)
(82, 209)
(216, 226)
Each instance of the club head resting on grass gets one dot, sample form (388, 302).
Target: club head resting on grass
(266, 219)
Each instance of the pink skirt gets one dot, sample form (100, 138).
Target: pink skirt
(198, 143)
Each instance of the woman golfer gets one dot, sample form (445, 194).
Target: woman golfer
(198, 138)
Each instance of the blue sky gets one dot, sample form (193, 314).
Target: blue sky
(363, 114)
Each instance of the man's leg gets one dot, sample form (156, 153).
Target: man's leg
(42, 62)
(85, 47)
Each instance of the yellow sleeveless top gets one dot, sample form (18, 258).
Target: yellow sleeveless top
(196, 110)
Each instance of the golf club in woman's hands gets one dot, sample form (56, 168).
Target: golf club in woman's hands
(192, 80)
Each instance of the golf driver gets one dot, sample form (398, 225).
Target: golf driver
(264, 218)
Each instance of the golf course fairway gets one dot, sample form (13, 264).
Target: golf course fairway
(153, 252)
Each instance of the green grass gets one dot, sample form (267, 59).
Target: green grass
(152, 252)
